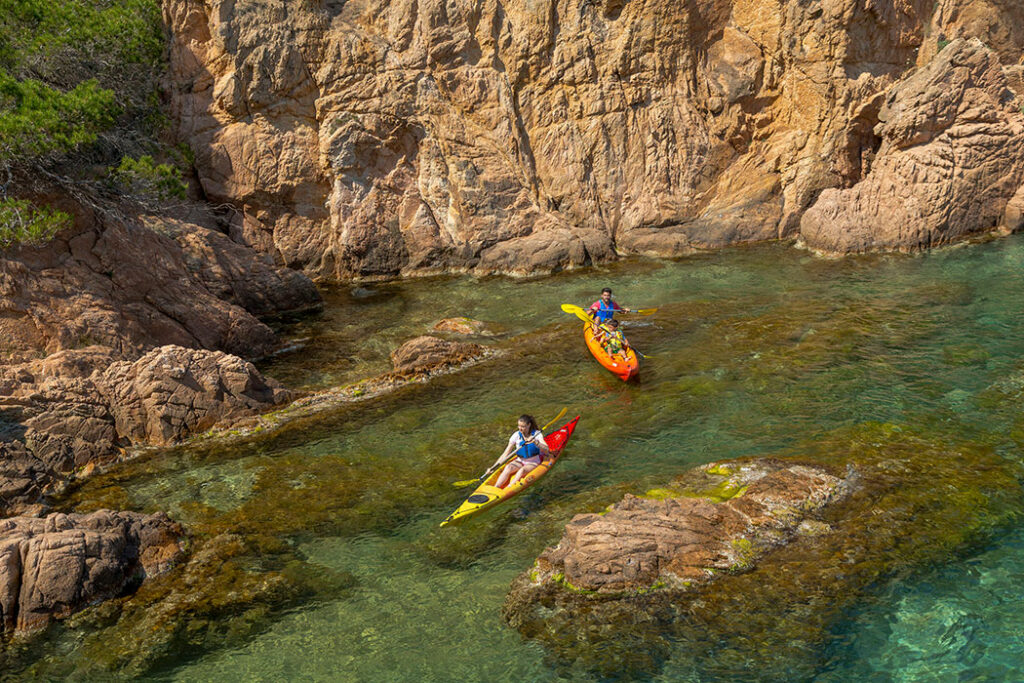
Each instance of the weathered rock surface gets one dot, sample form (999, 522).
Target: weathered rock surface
(381, 138)
(641, 542)
(132, 286)
(951, 161)
(75, 409)
(424, 354)
(466, 326)
(54, 566)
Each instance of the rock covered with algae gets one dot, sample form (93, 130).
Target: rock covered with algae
(681, 537)
(766, 606)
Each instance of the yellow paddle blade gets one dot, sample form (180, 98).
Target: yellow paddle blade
(465, 482)
(553, 421)
(577, 311)
(645, 311)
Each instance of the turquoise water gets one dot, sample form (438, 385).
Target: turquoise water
(754, 351)
(960, 622)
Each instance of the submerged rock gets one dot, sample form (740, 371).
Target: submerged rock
(426, 354)
(52, 567)
(466, 326)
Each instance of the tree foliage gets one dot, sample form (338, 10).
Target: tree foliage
(70, 70)
(143, 176)
(22, 222)
(37, 121)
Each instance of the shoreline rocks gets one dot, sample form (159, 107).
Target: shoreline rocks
(132, 285)
(54, 566)
(73, 410)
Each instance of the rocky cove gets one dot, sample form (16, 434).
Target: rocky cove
(351, 143)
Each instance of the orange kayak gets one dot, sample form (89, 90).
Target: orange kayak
(487, 494)
(625, 365)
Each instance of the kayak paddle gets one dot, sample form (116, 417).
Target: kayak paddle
(490, 470)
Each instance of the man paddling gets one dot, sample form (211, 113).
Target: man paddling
(604, 308)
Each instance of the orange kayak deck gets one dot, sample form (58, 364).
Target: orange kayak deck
(625, 365)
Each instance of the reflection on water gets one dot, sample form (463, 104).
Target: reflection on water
(753, 350)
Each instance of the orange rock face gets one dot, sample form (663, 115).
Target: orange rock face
(369, 138)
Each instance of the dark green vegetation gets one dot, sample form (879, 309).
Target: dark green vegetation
(79, 98)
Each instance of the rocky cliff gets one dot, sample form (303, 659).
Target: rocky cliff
(120, 333)
(368, 138)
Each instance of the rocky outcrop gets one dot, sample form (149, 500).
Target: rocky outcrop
(770, 552)
(427, 354)
(52, 567)
(384, 138)
(951, 161)
(671, 539)
(172, 392)
(75, 409)
(133, 285)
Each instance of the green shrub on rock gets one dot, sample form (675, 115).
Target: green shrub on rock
(37, 120)
(143, 176)
(21, 222)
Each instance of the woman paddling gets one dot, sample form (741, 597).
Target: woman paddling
(530, 448)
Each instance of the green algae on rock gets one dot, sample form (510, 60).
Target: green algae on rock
(910, 500)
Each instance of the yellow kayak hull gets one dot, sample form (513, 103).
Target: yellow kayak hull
(487, 495)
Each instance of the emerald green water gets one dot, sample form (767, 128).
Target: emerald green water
(754, 351)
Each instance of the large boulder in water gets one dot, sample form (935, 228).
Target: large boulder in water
(675, 539)
(746, 569)
(429, 354)
(52, 567)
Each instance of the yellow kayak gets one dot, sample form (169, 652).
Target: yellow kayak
(488, 495)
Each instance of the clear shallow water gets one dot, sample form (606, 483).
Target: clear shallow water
(754, 350)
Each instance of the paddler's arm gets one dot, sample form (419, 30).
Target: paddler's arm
(542, 445)
(503, 456)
